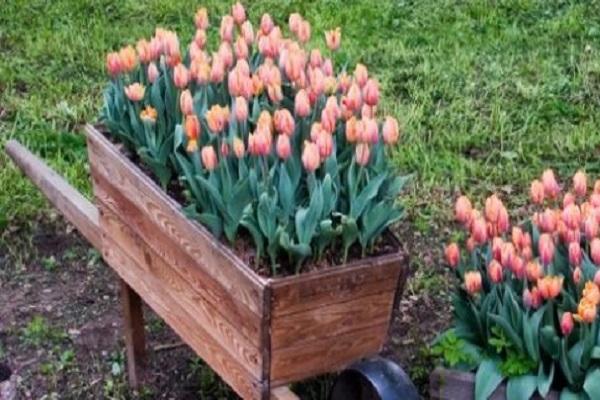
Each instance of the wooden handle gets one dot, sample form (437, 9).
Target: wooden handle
(70, 202)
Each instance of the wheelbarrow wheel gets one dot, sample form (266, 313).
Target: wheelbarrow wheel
(374, 379)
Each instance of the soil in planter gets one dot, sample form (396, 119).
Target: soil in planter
(244, 245)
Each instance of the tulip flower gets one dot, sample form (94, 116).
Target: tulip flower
(452, 254)
(390, 131)
(186, 103)
(127, 59)
(294, 22)
(463, 209)
(333, 38)
(152, 72)
(238, 147)
(568, 199)
(352, 130)
(361, 75)
(537, 192)
(595, 251)
(532, 298)
(551, 188)
(495, 271)
(201, 18)
(591, 292)
(575, 255)
(473, 282)
(303, 32)
(550, 286)
(283, 147)
(546, 248)
(239, 13)
(479, 230)
(181, 76)
(580, 183)
(370, 92)
(149, 114)
(144, 51)
(217, 118)
(576, 275)
(266, 24)
(362, 154)
(192, 131)
(325, 144)
(302, 104)
(310, 156)
(209, 158)
(113, 64)
(597, 277)
(534, 271)
(241, 109)
(247, 32)
(586, 311)
(566, 323)
(135, 92)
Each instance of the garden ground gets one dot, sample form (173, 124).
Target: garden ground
(489, 93)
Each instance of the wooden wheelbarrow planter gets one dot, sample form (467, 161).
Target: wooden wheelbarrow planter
(447, 384)
(259, 334)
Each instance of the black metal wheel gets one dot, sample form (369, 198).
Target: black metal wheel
(374, 379)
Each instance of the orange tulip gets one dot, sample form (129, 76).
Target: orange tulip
(452, 254)
(325, 144)
(144, 51)
(534, 271)
(495, 271)
(550, 286)
(135, 91)
(551, 188)
(181, 76)
(192, 131)
(580, 183)
(352, 130)
(591, 292)
(113, 64)
(241, 109)
(186, 103)
(390, 131)
(586, 311)
(546, 248)
(238, 147)
(128, 59)
(362, 154)
(217, 118)
(463, 209)
(149, 114)
(333, 38)
(479, 230)
(310, 156)
(283, 147)
(361, 75)
(473, 282)
(302, 104)
(537, 192)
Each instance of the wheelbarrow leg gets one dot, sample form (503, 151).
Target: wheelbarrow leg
(135, 340)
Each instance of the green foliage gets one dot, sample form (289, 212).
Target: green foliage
(39, 332)
(452, 350)
(517, 364)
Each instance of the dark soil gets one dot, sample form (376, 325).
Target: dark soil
(49, 273)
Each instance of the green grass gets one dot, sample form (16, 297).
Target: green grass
(490, 93)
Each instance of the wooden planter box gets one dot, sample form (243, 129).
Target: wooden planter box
(256, 333)
(447, 384)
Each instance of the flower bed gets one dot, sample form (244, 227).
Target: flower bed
(526, 307)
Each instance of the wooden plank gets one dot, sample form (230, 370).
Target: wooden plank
(204, 285)
(292, 364)
(182, 322)
(310, 291)
(77, 209)
(445, 384)
(331, 320)
(205, 314)
(135, 341)
(283, 393)
(210, 255)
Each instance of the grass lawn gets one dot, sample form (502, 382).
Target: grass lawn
(489, 93)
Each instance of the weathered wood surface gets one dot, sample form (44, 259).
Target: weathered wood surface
(210, 256)
(206, 315)
(330, 354)
(135, 340)
(73, 205)
(445, 384)
(183, 322)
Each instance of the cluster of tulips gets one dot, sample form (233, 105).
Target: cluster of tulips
(263, 133)
(536, 285)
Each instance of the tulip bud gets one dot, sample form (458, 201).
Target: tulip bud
(597, 277)
(144, 51)
(390, 131)
(577, 275)
(226, 29)
(152, 72)
(575, 254)
(127, 59)
(239, 13)
(209, 158)
(325, 144)
(463, 209)
(370, 131)
(186, 103)
(473, 282)
(333, 38)
(302, 104)
(495, 271)
(534, 271)
(590, 227)
(113, 64)
(566, 324)
(217, 70)
(303, 32)
(201, 18)
(551, 188)
(241, 109)
(284, 122)
(135, 91)
(352, 130)
(310, 156)
(550, 286)
(548, 221)
(479, 231)
(283, 147)
(266, 24)
(361, 75)
(238, 147)
(452, 254)
(192, 131)
(294, 22)
(371, 92)
(181, 76)
(572, 216)
(247, 32)
(532, 299)
(537, 192)
(362, 154)
(580, 183)
(546, 248)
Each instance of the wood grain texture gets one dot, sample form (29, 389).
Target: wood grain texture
(209, 254)
(135, 339)
(77, 209)
(201, 284)
(206, 314)
(313, 290)
(445, 384)
(183, 322)
(331, 320)
(292, 364)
